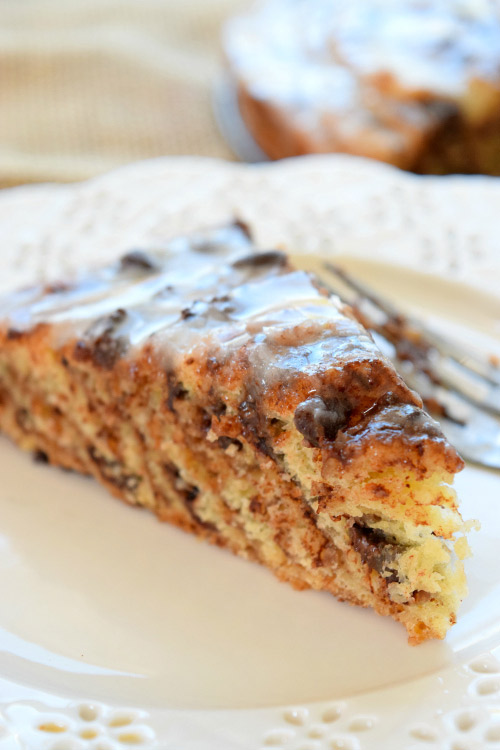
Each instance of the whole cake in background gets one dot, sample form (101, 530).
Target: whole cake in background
(415, 83)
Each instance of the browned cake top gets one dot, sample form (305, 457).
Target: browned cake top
(212, 300)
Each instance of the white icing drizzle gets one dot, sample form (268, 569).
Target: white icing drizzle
(209, 290)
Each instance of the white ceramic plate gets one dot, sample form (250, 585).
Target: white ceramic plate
(116, 630)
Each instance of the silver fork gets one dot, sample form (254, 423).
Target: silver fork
(461, 390)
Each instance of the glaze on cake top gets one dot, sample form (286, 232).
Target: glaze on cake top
(211, 290)
(212, 299)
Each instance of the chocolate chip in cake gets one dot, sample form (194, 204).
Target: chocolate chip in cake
(138, 259)
(224, 441)
(206, 420)
(243, 227)
(101, 460)
(100, 344)
(376, 550)
(261, 260)
(14, 333)
(112, 471)
(104, 351)
(191, 493)
(255, 426)
(40, 457)
(318, 421)
(187, 313)
(175, 391)
(107, 324)
(219, 409)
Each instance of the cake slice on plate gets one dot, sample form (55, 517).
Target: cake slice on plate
(227, 392)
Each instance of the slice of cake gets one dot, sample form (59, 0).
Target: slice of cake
(231, 395)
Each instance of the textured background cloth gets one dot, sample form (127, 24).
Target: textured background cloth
(87, 85)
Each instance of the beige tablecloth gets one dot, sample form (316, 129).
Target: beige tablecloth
(87, 85)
